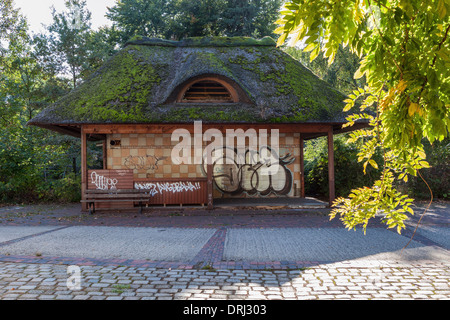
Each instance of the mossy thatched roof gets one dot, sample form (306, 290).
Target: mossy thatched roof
(136, 86)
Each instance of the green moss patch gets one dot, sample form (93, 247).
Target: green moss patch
(135, 84)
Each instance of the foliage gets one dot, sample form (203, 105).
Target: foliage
(347, 168)
(339, 75)
(35, 164)
(11, 21)
(139, 17)
(177, 19)
(69, 46)
(437, 176)
(405, 59)
(253, 18)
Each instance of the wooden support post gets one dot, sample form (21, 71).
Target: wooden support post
(331, 182)
(209, 169)
(105, 155)
(302, 168)
(83, 169)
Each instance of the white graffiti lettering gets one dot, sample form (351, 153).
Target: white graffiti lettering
(173, 187)
(103, 183)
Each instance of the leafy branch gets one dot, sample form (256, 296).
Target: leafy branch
(407, 40)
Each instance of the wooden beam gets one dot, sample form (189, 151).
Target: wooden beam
(100, 129)
(97, 131)
(209, 173)
(302, 168)
(105, 154)
(331, 182)
(83, 169)
(73, 131)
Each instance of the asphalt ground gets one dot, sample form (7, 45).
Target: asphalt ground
(195, 238)
(215, 245)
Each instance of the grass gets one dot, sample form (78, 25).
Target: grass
(209, 268)
(120, 288)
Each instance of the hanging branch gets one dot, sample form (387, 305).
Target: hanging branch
(423, 214)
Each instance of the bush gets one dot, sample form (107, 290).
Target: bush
(68, 189)
(348, 173)
(36, 165)
(437, 177)
(32, 188)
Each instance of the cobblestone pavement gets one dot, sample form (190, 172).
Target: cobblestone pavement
(63, 278)
(343, 280)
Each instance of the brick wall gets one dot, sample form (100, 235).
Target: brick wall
(149, 155)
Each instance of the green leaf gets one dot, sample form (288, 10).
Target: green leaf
(441, 9)
(424, 164)
(422, 154)
(359, 73)
(313, 55)
(310, 47)
(281, 39)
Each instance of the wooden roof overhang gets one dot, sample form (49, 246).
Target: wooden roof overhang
(98, 132)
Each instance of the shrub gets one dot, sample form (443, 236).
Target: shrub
(68, 189)
(348, 171)
(437, 177)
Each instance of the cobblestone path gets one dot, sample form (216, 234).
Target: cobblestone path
(344, 280)
(41, 277)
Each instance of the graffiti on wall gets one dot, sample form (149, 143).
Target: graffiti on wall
(147, 162)
(236, 177)
(102, 182)
(169, 187)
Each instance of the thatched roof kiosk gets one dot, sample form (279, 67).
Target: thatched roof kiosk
(155, 86)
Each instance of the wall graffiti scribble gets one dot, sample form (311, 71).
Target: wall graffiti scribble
(171, 187)
(236, 177)
(147, 162)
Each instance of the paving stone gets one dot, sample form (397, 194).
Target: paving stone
(45, 278)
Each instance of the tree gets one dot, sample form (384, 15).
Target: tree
(249, 17)
(405, 55)
(339, 75)
(65, 48)
(195, 18)
(140, 17)
(100, 45)
(10, 21)
(177, 19)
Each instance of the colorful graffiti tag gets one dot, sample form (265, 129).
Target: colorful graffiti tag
(235, 177)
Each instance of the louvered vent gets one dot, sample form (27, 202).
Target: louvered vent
(207, 91)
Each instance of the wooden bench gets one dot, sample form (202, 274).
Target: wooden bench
(119, 195)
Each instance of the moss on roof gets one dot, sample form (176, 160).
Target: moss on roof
(203, 42)
(134, 86)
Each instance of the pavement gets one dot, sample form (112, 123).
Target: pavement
(224, 254)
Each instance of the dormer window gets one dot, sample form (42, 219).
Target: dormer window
(208, 90)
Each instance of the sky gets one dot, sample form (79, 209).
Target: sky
(38, 12)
